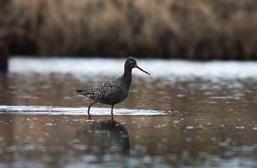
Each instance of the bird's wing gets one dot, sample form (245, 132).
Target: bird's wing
(100, 91)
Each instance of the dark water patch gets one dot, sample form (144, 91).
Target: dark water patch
(128, 141)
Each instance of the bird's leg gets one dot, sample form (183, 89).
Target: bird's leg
(88, 110)
(112, 111)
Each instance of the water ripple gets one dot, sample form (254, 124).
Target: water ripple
(50, 110)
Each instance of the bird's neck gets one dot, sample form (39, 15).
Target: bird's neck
(127, 76)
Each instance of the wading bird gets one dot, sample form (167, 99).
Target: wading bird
(113, 91)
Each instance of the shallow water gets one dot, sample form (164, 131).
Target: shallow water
(191, 114)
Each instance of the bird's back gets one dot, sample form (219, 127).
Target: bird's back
(110, 92)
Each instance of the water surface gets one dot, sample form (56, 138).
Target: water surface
(194, 114)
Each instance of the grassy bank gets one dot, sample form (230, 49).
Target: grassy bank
(199, 29)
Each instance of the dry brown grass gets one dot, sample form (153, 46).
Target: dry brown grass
(161, 28)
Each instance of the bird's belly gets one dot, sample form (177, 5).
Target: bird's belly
(114, 98)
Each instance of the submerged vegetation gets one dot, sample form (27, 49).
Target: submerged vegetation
(162, 28)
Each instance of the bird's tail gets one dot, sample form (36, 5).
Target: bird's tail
(79, 91)
(82, 92)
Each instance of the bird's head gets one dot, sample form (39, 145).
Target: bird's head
(132, 63)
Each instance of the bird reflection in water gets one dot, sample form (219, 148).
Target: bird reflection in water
(108, 140)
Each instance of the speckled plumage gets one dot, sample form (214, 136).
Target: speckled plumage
(113, 91)
(110, 92)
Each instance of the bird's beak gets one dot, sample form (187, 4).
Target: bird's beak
(142, 70)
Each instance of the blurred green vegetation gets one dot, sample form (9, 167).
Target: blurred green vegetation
(201, 29)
